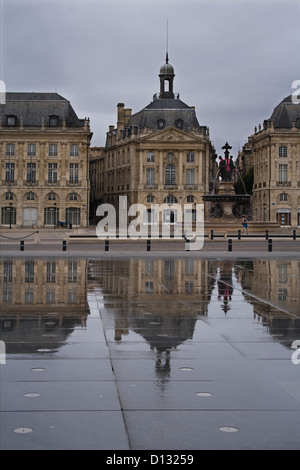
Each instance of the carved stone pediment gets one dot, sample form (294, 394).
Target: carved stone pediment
(170, 135)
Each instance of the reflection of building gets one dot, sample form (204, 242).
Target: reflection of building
(38, 296)
(278, 283)
(44, 155)
(158, 155)
(274, 150)
(181, 286)
(160, 300)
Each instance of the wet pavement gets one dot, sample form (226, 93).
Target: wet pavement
(151, 353)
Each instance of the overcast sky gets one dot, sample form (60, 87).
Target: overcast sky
(234, 60)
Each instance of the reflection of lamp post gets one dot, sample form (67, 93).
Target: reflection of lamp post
(54, 218)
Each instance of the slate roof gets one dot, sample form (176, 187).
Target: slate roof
(285, 113)
(32, 107)
(169, 110)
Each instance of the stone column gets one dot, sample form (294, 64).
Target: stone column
(160, 170)
(180, 179)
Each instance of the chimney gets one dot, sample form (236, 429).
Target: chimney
(120, 123)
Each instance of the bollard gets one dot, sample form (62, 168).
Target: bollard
(229, 244)
(64, 245)
(211, 234)
(22, 245)
(106, 245)
(270, 244)
(187, 245)
(148, 245)
(294, 234)
(267, 234)
(239, 234)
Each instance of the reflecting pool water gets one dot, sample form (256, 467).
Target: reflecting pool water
(146, 340)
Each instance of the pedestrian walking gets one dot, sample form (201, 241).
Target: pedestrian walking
(245, 224)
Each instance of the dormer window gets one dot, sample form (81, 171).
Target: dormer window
(179, 123)
(53, 121)
(160, 123)
(11, 120)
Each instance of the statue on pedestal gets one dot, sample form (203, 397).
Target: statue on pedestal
(226, 165)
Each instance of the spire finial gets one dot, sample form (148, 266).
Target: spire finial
(167, 45)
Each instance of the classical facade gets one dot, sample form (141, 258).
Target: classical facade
(159, 155)
(44, 162)
(274, 150)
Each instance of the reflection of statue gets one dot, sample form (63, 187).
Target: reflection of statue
(225, 289)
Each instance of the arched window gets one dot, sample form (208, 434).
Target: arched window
(170, 200)
(150, 198)
(170, 175)
(51, 197)
(9, 196)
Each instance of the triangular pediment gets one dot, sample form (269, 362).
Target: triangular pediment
(171, 135)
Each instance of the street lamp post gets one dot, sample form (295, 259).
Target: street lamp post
(54, 218)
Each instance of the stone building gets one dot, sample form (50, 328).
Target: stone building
(274, 150)
(44, 162)
(159, 155)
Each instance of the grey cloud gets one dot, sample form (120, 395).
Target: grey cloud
(234, 61)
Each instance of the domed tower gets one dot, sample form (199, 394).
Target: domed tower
(166, 76)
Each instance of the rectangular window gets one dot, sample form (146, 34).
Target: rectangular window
(51, 215)
(74, 150)
(72, 271)
(282, 273)
(31, 172)
(149, 287)
(31, 150)
(283, 197)
(189, 267)
(10, 150)
(8, 215)
(51, 271)
(150, 157)
(74, 172)
(28, 296)
(8, 269)
(190, 177)
(73, 215)
(29, 271)
(9, 172)
(11, 120)
(52, 172)
(53, 150)
(190, 157)
(150, 176)
(189, 287)
(7, 295)
(282, 151)
(50, 296)
(72, 296)
(283, 173)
